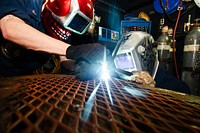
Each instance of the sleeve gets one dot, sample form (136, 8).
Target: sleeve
(167, 81)
(25, 9)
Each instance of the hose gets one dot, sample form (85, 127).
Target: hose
(173, 38)
(182, 14)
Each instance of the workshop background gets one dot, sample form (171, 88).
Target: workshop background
(59, 103)
(118, 15)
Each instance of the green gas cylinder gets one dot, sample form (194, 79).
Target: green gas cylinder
(165, 56)
(191, 58)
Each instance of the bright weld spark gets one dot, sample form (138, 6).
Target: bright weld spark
(108, 89)
(104, 71)
(89, 104)
(134, 92)
(106, 76)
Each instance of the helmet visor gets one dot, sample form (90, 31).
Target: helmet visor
(76, 22)
(79, 23)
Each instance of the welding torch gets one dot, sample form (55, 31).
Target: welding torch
(118, 70)
(113, 70)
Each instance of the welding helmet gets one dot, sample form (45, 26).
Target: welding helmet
(137, 53)
(61, 17)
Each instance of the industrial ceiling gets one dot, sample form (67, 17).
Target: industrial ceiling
(124, 6)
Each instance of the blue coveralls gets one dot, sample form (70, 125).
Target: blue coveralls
(24, 61)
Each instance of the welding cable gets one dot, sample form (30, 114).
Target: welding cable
(182, 14)
(174, 32)
(188, 9)
(173, 38)
(163, 7)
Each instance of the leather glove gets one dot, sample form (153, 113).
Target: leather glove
(91, 53)
(86, 71)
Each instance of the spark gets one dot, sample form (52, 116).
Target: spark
(89, 104)
(104, 71)
(108, 89)
(105, 75)
(134, 92)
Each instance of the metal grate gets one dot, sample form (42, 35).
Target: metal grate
(60, 103)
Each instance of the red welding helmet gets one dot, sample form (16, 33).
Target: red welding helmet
(60, 17)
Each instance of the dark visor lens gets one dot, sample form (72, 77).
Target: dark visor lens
(78, 23)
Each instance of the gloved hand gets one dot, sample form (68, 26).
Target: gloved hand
(91, 53)
(143, 77)
(140, 77)
(86, 71)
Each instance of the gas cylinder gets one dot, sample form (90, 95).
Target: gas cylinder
(163, 47)
(172, 51)
(172, 43)
(191, 58)
(163, 44)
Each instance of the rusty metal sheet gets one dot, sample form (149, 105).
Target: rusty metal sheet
(61, 103)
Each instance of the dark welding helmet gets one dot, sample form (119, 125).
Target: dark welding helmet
(61, 17)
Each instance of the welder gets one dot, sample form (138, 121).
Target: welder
(33, 31)
(139, 57)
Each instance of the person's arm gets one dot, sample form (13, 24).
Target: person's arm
(16, 30)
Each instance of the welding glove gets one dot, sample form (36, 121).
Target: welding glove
(86, 71)
(91, 53)
(140, 77)
(143, 77)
